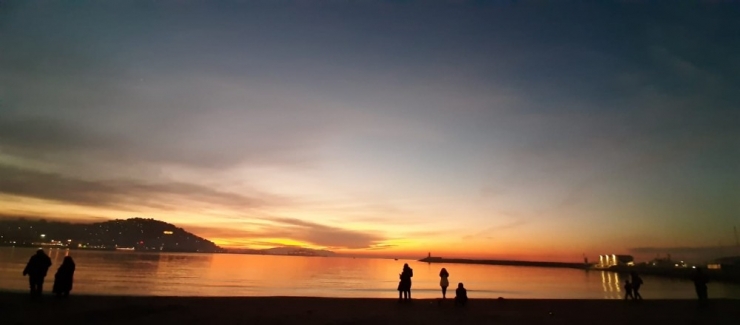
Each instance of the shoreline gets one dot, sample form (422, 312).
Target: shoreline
(91, 309)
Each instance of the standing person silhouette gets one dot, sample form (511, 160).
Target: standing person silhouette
(443, 282)
(401, 288)
(700, 285)
(405, 285)
(64, 278)
(636, 284)
(628, 290)
(36, 270)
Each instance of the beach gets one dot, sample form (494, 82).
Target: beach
(17, 308)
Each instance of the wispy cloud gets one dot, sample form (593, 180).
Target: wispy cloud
(328, 236)
(184, 139)
(122, 193)
(294, 229)
(490, 231)
(66, 218)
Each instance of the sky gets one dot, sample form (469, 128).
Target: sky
(501, 129)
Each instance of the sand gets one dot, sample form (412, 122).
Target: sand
(18, 309)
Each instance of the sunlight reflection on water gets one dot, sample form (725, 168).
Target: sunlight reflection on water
(171, 274)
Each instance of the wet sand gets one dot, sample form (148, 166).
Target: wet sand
(18, 309)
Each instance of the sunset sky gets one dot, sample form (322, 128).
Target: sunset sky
(391, 128)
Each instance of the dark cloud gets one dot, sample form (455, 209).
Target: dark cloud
(65, 217)
(43, 135)
(328, 236)
(120, 193)
(244, 231)
(380, 247)
(218, 145)
(64, 145)
(300, 230)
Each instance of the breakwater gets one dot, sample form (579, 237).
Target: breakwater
(582, 266)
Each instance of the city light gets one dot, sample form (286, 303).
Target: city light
(43, 235)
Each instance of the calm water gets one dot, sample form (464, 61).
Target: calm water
(131, 273)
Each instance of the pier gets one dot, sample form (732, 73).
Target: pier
(581, 266)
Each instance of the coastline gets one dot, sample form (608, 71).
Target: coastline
(84, 309)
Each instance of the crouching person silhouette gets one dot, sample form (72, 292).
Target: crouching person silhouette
(461, 295)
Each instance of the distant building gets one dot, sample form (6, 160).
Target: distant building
(662, 262)
(725, 263)
(613, 260)
(667, 262)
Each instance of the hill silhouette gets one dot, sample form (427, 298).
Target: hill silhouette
(136, 234)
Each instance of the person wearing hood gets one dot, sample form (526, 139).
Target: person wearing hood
(64, 278)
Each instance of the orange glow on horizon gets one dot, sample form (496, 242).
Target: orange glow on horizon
(394, 241)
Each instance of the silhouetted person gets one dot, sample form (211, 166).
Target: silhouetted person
(628, 290)
(700, 284)
(64, 278)
(401, 288)
(443, 282)
(461, 295)
(636, 284)
(36, 270)
(404, 287)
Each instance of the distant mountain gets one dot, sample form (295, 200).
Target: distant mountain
(284, 250)
(130, 234)
(133, 234)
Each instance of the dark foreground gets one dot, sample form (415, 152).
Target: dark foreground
(18, 309)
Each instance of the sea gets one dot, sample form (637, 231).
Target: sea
(185, 274)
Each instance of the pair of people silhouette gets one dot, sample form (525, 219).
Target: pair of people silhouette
(37, 268)
(632, 288)
(404, 286)
(461, 294)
